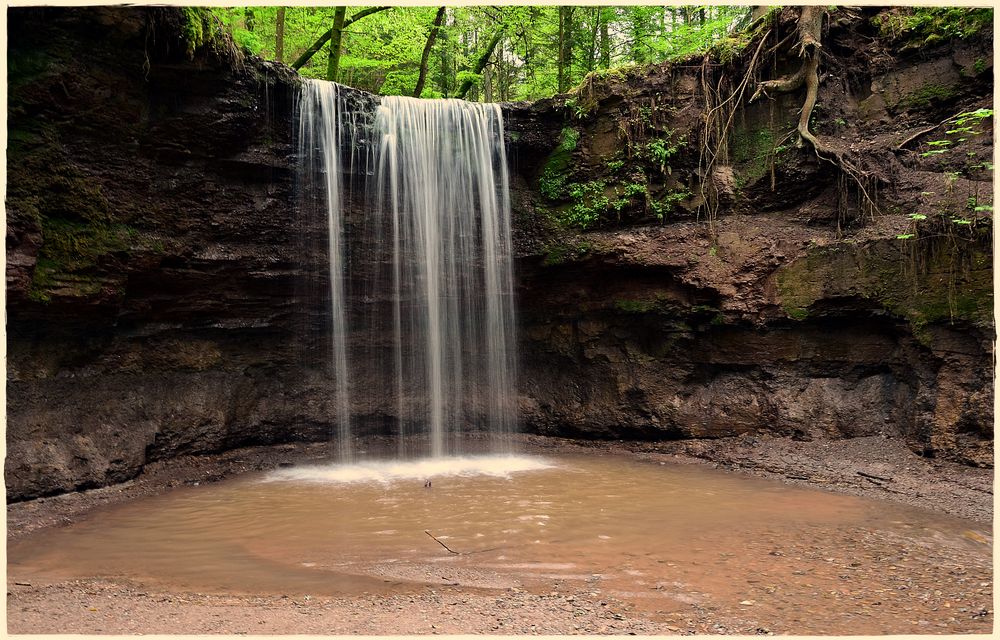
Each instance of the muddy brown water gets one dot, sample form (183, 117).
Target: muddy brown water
(662, 538)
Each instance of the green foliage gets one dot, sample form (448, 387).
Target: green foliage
(664, 206)
(552, 185)
(964, 124)
(590, 202)
(927, 25)
(381, 52)
(578, 110)
(200, 28)
(614, 165)
(697, 37)
(976, 116)
(552, 181)
(634, 189)
(660, 150)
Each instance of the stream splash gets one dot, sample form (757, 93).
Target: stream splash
(389, 471)
(423, 255)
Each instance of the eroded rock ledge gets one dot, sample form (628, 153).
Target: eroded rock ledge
(160, 282)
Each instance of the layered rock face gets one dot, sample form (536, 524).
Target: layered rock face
(153, 250)
(166, 296)
(730, 281)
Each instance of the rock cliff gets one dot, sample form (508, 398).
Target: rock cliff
(164, 293)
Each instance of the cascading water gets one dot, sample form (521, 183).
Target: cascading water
(321, 140)
(432, 268)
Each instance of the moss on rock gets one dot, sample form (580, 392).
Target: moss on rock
(937, 282)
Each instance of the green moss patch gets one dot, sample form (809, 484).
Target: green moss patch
(563, 252)
(940, 280)
(927, 95)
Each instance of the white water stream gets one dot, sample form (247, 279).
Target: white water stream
(431, 180)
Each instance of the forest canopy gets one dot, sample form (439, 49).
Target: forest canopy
(507, 53)
(476, 52)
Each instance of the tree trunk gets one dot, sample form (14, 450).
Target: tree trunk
(560, 63)
(445, 81)
(605, 40)
(565, 54)
(279, 35)
(438, 19)
(323, 39)
(336, 37)
(480, 63)
(594, 30)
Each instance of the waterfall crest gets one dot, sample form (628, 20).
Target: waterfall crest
(426, 297)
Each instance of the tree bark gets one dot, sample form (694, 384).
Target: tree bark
(480, 63)
(438, 19)
(279, 35)
(565, 54)
(560, 63)
(323, 39)
(594, 31)
(336, 37)
(810, 32)
(809, 29)
(605, 40)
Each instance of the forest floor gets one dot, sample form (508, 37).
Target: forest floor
(953, 594)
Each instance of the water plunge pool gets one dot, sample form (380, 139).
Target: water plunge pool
(662, 538)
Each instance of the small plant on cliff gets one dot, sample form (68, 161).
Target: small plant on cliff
(590, 203)
(664, 206)
(576, 109)
(552, 181)
(961, 126)
(660, 150)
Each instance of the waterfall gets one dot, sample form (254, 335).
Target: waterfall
(422, 270)
(321, 134)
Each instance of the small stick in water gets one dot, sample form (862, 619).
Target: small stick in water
(441, 543)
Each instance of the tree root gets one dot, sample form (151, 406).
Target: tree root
(707, 156)
(810, 46)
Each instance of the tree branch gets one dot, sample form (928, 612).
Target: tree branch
(480, 63)
(438, 19)
(323, 39)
